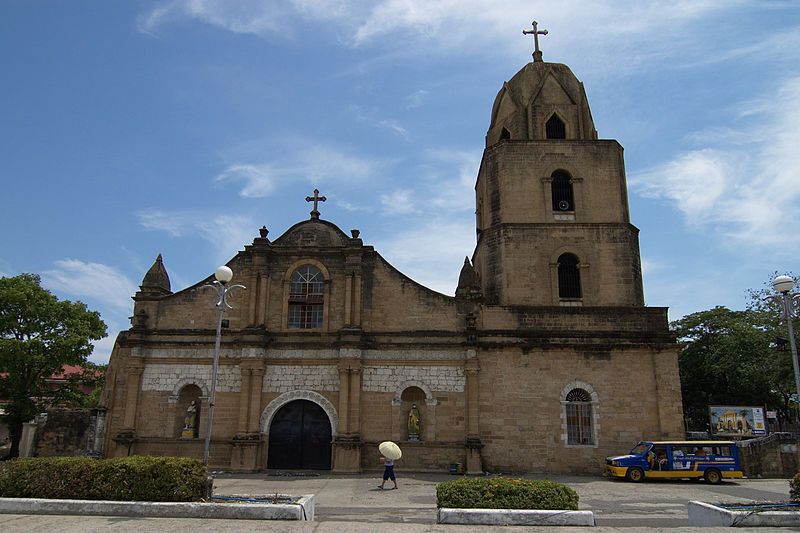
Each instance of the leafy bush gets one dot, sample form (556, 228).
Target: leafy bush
(137, 478)
(794, 488)
(505, 493)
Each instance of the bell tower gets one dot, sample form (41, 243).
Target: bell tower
(551, 200)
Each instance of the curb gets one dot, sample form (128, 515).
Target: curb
(302, 510)
(515, 517)
(708, 515)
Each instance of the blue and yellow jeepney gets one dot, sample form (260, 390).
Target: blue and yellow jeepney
(712, 460)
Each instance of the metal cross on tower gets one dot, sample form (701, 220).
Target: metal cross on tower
(537, 54)
(316, 198)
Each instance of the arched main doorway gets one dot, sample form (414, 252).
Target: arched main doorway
(300, 437)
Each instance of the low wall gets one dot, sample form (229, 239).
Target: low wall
(773, 456)
(66, 432)
(417, 456)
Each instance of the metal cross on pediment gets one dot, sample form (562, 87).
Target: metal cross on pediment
(537, 54)
(316, 198)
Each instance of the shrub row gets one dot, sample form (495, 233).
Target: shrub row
(137, 478)
(794, 488)
(505, 493)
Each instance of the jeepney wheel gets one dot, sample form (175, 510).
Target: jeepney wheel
(634, 474)
(713, 476)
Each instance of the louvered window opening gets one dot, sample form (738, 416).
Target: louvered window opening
(579, 418)
(555, 128)
(569, 277)
(306, 298)
(561, 187)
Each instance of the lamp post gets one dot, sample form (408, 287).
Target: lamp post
(222, 276)
(784, 286)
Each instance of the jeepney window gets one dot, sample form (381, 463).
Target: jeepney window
(640, 449)
(722, 450)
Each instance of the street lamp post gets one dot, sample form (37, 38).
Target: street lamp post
(784, 286)
(223, 275)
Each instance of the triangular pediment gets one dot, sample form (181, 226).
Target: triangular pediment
(551, 91)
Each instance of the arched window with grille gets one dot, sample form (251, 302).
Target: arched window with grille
(578, 405)
(555, 128)
(569, 277)
(306, 298)
(561, 188)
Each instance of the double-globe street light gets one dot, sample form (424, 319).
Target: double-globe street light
(222, 276)
(784, 286)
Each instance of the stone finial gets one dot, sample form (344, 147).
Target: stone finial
(355, 233)
(469, 283)
(156, 281)
(263, 231)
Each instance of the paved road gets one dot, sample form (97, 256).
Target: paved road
(354, 503)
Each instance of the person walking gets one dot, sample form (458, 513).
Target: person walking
(388, 472)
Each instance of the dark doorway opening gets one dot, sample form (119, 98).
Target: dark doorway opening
(300, 437)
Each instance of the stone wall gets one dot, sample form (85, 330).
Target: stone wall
(774, 456)
(69, 432)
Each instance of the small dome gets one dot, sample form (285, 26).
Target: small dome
(156, 281)
(529, 99)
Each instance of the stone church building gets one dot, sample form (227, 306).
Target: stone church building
(545, 360)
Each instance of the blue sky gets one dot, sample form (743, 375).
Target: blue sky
(180, 127)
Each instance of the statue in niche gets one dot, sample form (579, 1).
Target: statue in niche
(413, 423)
(190, 422)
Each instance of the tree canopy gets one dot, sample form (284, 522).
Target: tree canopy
(39, 334)
(735, 358)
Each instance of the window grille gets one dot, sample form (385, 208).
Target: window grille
(569, 277)
(561, 187)
(306, 298)
(579, 417)
(555, 128)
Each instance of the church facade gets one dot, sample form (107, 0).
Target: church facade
(545, 360)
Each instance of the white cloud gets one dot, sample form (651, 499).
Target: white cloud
(104, 347)
(257, 17)
(258, 180)
(314, 162)
(399, 201)
(467, 25)
(369, 116)
(695, 181)
(394, 127)
(416, 99)
(226, 233)
(453, 194)
(431, 253)
(353, 208)
(101, 283)
(746, 192)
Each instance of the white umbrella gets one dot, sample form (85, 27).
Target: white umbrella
(390, 450)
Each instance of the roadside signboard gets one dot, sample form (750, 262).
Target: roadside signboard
(736, 421)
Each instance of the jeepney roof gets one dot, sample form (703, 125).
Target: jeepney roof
(690, 442)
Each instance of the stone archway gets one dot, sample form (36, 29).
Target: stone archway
(299, 427)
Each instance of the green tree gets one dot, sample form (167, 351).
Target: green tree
(730, 358)
(38, 335)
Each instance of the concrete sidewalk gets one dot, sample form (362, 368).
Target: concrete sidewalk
(354, 503)
(615, 503)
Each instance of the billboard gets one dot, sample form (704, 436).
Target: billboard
(736, 421)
